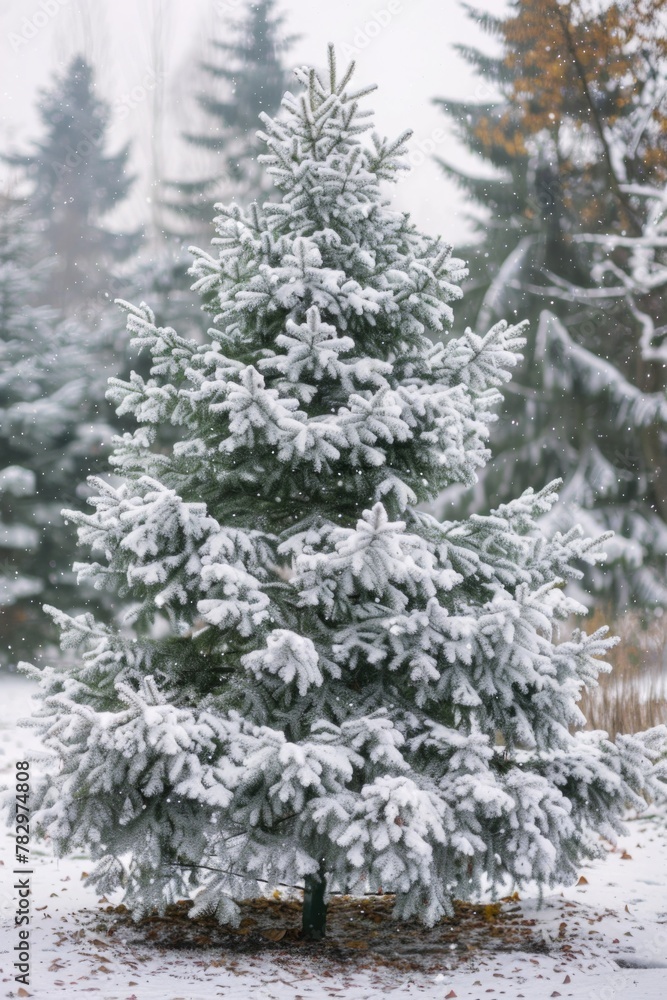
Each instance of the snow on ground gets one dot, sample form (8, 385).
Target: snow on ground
(602, 939)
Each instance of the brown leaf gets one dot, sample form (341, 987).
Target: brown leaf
(567, 980)
(275, 935)
(555, 993)
(625, 856)
(449, 995)
(356, 944)
(582, 880)
(23, 993)
(84, 875)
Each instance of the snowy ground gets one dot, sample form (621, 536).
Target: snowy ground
(602, 939)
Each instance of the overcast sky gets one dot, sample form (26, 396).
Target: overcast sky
(405, 46)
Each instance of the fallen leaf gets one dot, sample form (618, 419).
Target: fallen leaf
(450, 995)
(625, 856)
(567, 980)
(583, 880)
(23, 993)
(275, 935)
(356, 944)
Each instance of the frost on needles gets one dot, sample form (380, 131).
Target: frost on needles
(316, 682)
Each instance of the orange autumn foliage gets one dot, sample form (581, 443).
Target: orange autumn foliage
(572, 74)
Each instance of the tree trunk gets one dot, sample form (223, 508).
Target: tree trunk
(314, 907)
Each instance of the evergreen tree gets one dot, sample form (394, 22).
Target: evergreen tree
(579, 122)
(319, 682)
(246, 77)
(74, 184)
(51, 438)
(640, 280)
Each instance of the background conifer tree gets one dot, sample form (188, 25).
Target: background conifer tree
(319, 682)
(244, 76)
(579, 122)
(53, 433)
(74, 182)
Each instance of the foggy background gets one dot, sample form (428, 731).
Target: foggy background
(145, 54)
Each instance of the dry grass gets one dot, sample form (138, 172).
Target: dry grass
(633, 697)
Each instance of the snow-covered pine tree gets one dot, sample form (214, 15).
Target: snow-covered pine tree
(564, 142)
(244, 76)
(74, 182)
(320, 683)
(52, 435)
